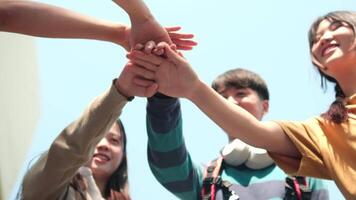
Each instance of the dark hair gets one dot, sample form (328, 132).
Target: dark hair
(241, 78)
(337, 111)
(118, 181)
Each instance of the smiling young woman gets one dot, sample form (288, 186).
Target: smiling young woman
(332, 44)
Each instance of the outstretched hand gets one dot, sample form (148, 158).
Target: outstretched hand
(142, 32)
(173, 74)
(127, 86)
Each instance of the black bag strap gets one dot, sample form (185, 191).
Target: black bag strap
(211, 178)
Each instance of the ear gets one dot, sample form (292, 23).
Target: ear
(265, 106)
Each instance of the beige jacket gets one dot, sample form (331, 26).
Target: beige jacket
(50, 176)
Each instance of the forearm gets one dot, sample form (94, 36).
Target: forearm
(233, 119)
(168, 157)
(56, 22)
(136, 9)
(236, 122)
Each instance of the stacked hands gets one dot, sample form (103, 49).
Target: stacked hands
(160, 68)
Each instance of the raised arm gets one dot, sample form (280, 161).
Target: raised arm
(76, 143)
(44, 20)
(175, 77)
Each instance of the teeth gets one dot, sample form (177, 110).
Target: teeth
(102, 157)
(328, 49)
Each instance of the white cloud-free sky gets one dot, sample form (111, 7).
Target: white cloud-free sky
(268, 37)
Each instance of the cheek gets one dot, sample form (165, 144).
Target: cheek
(117, 156)
(349, 44)
(314, 53)
(248, 106)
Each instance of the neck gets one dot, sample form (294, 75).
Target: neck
(101, 183)
(346, 74)
(348, 83)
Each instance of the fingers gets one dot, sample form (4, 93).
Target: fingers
(145, 64)
(180, 53)
(141, 82)
(172, 55)
(172, 28)
(143, 71)
(158, 52)
(150, 45)
(139, 46)
(148, 58)
(147, 48)
(181, 35)
(184, 44)
(173, 47)
(182, 40)
(151, 90)
(145, 88)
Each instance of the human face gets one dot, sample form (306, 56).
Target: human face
(248, 99)
(332, 47)
(108, 154)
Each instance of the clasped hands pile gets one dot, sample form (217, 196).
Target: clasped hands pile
(156, 68)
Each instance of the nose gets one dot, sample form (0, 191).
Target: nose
(103, 144)
(326, 38)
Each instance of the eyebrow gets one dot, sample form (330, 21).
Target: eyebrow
(114, 135)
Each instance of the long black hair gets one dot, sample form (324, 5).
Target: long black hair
(118, 181)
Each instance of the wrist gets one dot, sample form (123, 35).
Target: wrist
(122, 91)
(120, 35)
(193, 93)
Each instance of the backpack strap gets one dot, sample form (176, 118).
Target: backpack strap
(297, 188)
(211, 179)
(212, 182)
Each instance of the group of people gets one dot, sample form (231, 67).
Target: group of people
(88, 158)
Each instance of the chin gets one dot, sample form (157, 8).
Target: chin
(99, 172)
(97, 168)
(333, 62)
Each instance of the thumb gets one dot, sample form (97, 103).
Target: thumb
(151, 90)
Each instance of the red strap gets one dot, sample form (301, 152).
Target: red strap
(212, 191)
(214, 174)
(297, 189)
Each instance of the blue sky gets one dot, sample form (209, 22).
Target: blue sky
(268, 37)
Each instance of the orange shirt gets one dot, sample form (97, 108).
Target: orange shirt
(328, 149)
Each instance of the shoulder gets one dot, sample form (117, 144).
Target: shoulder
(316, 183)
